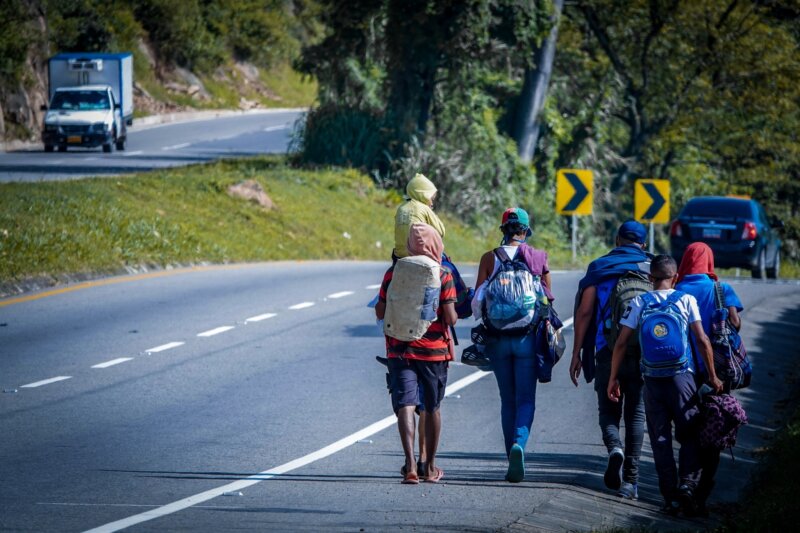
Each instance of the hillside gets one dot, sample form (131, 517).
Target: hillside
(187, 55)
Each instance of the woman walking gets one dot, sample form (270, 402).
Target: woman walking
(696, 277)
(509, 319)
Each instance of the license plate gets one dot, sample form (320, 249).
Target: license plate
(74, 139)
(712, 233)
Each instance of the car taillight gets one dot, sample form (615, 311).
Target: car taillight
(749, 233)
(676, 230)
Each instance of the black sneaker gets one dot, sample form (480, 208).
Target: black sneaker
(687, 501)
(613, 475)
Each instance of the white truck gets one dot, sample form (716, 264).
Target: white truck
(91, 101)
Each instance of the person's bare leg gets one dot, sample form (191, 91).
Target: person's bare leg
(405, 425)
(423, 453)
(433, 428)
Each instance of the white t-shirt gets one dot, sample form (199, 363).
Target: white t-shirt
(687, 306)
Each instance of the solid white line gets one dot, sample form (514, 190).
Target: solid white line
(44, 382)
(176, 147)
(163, 347)
(340, 294)
(276, 128)
(378, 286)
(215, 331)
(137, 152)
(328, 450)
(113, 362)
(568, 322)
(259, 318)
(302, 305)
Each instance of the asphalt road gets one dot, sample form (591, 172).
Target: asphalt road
(247, 397)
(162, 146)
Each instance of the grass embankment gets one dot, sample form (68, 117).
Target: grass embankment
(185, 216)
(771, 503)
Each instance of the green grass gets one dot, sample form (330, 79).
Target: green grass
(97, 226)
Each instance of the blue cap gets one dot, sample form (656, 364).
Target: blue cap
(633, 231)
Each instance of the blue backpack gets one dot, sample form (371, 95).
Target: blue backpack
(663, 336)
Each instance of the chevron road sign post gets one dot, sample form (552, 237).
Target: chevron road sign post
(574, 196)
(651, 203)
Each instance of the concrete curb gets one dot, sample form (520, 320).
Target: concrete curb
(153, 121)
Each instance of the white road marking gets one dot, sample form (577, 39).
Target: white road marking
(276, 128)
(302, 305)
(568, 322)
(259, 318)
(340, 294)
(215, 331)
(163, 347)
(137, 152)
(370, 287)
(44, 382)
(249, 481)
(89, 158)
(176, 146)
(113, 362)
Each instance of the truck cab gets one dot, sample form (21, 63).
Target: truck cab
(87, 116)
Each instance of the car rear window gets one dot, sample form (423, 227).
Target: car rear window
(718, 208)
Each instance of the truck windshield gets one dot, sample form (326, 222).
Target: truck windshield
(80, 100)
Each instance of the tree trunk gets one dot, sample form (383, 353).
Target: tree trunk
(534, 91)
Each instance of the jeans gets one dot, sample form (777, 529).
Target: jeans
(667, 401)
(514, 366)
(630, 407)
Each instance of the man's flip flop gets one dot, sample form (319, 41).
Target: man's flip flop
(410, 478)
(436, 477)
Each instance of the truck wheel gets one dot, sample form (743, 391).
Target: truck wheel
(62, 147)
(48, 147)
(121, 143)
(775, 270)
(760, 269)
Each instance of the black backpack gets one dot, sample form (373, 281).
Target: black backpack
(628, 286)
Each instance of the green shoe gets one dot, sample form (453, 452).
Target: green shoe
(516, 464)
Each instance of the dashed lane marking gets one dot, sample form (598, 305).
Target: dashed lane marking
(215, 331)
(302, 305)
(259, 318)
(372, 287)
(163, 347)
(340, 294)
(113, 362)
(276, 128)
(44, 382)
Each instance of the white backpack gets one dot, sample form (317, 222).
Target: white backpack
(412, 299)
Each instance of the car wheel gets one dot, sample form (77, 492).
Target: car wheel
(759, 272)
(62, 147)
(48, 147)
(775, 271)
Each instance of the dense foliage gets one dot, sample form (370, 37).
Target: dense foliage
(705, 94)
(195, 34)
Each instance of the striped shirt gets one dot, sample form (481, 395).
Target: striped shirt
(434, 345)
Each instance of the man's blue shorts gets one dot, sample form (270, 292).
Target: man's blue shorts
(408, 376)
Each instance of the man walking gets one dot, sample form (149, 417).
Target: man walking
(421, 362)
(610, 282)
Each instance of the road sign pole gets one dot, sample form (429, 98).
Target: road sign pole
(574, 237)
(652, 238)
